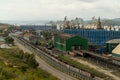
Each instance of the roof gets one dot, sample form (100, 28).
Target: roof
(18, 32)
(114, 41)
(65, 36)
(2, 39)
(28, 35)
(116, 50)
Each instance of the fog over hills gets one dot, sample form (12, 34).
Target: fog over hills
(37, 22)
(111, 22)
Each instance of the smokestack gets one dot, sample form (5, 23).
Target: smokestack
(99, 24)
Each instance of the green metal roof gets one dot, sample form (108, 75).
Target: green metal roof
(114, 41)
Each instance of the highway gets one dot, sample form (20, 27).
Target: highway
(43, 65)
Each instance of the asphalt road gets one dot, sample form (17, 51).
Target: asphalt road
(43, 65)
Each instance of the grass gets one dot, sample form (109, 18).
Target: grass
(18, 69)
(72, 62)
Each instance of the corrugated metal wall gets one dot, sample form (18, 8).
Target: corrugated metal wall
(35, 27)
(77, 41)
(60, 44)
(98, 37)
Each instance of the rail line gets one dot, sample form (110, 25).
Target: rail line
(109, 62)
(57, 63)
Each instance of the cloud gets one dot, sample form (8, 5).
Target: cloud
(57, 9)
(87, 0)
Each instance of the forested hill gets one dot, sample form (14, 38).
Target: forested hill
(2, 26)
(111, 22)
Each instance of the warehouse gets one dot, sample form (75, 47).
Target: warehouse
(37, 27)
(97, 37)
(111, 44)
(116, 55)
(116, 52)
(67, 42)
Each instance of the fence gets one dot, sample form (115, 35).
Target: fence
(75, 72)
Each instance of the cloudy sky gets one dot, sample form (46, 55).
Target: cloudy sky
(57, 9)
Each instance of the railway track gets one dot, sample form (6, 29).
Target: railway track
(59, 64)
(108, 62)
(55, 58)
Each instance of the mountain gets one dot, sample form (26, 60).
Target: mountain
(111, 22)
(116, 19)
(24, 22)
(3, 26)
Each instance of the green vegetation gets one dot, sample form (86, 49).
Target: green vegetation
(46, 35)
(8, 29)
(83, 67)
(17, 65)
(5, 74)
(9, 40)
(109, 22)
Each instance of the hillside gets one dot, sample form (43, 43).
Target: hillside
(17, 65)
(3, 26)
(111, 22)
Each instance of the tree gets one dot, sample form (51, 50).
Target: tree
(9, 40)
(46, 35)
(52, 24)
(32, 62)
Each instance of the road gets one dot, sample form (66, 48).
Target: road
(53, 71)
(43, 65)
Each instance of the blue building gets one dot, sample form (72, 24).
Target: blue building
(36, 27)
(98, 37)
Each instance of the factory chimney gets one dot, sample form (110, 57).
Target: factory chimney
(99, 24)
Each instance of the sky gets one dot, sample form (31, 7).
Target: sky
(58, 9)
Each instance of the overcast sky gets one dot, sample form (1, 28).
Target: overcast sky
(57, 9)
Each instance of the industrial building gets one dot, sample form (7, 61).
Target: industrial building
(116, 52)
(67, 42)
(37, 27)
(111, 44)
(97, 37)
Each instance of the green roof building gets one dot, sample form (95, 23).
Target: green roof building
(67, 42)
